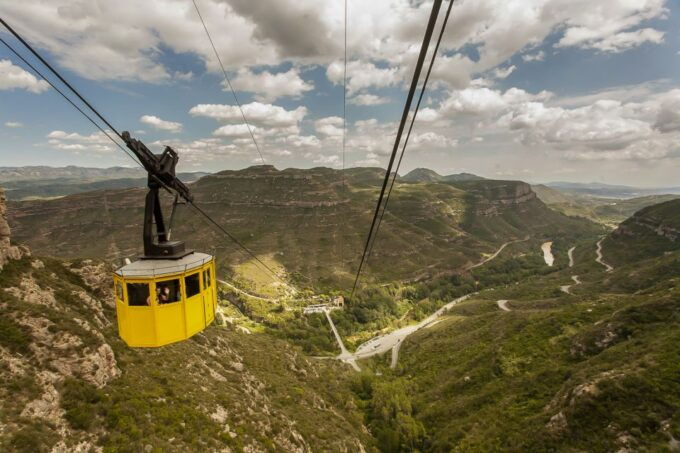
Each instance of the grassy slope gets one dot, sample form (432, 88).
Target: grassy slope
(637, 238)
(595, 371)
(220, 389)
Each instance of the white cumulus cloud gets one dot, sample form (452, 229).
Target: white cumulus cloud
(368, 99)
(330, 126)
(13, 77)
(234, 131)
(266, 115)
(163, 125)
(268, 87)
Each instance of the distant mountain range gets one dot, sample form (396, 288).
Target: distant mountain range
(596, 189)
(69, 172)
(25, 183)
(72, 172)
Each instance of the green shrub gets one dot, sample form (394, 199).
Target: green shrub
(79, 400)
(13, 336)
(35, 437)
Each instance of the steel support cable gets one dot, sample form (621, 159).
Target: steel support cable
(413, 119)
(344, 100)
(226, 77)
(344, 133)
(89, 118)
(236, 241)
(436, 6)
(42, 60)
(198, 209)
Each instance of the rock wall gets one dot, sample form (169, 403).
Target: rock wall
(7, 250)
(493, 199)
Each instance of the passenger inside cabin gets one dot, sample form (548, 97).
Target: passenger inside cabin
(163, 292)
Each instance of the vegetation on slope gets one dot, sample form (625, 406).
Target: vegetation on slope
(312, 222)
(597, 370)
(68, 382)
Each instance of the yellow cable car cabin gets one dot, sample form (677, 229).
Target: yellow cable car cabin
(169, 294)
(160, 302)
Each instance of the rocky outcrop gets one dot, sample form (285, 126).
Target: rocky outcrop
(7, 250)
(491, 199)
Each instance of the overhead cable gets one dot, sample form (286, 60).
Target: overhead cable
(42, 60)
(413, 119)
(436, 6)
(226, 78)
(54, 71)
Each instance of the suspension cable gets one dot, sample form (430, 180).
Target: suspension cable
(89, 118)
(413, 119)
(344, 100)
(436, 6)
(344, 133)
(236, 241)
(226, 78)
(42, 60)
(191, 202)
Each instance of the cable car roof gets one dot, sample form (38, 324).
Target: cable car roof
(154, 268)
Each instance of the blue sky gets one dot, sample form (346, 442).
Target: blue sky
(537, 90)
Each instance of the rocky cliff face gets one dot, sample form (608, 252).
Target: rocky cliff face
(493, 197)
(7, 250)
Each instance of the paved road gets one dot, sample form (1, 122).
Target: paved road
(600, 259)
(345, 355)
(503, 305)
(383, 343)
(496, 253)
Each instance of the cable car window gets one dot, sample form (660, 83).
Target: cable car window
(206, 278)
(168, 292)
(119, 291)
(193, 284)
(138, 294)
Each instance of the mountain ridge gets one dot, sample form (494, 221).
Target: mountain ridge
(427, 175)
(446, 222)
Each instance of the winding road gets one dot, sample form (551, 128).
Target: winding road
(571, 256)
(567, 288)
(391, 341)
(600, 259)
(496, 253)
(503, 305)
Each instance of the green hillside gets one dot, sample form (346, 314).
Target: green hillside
(651, 231)
(312, 222)
(594, 367)
(595, 370)
(67, 382)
